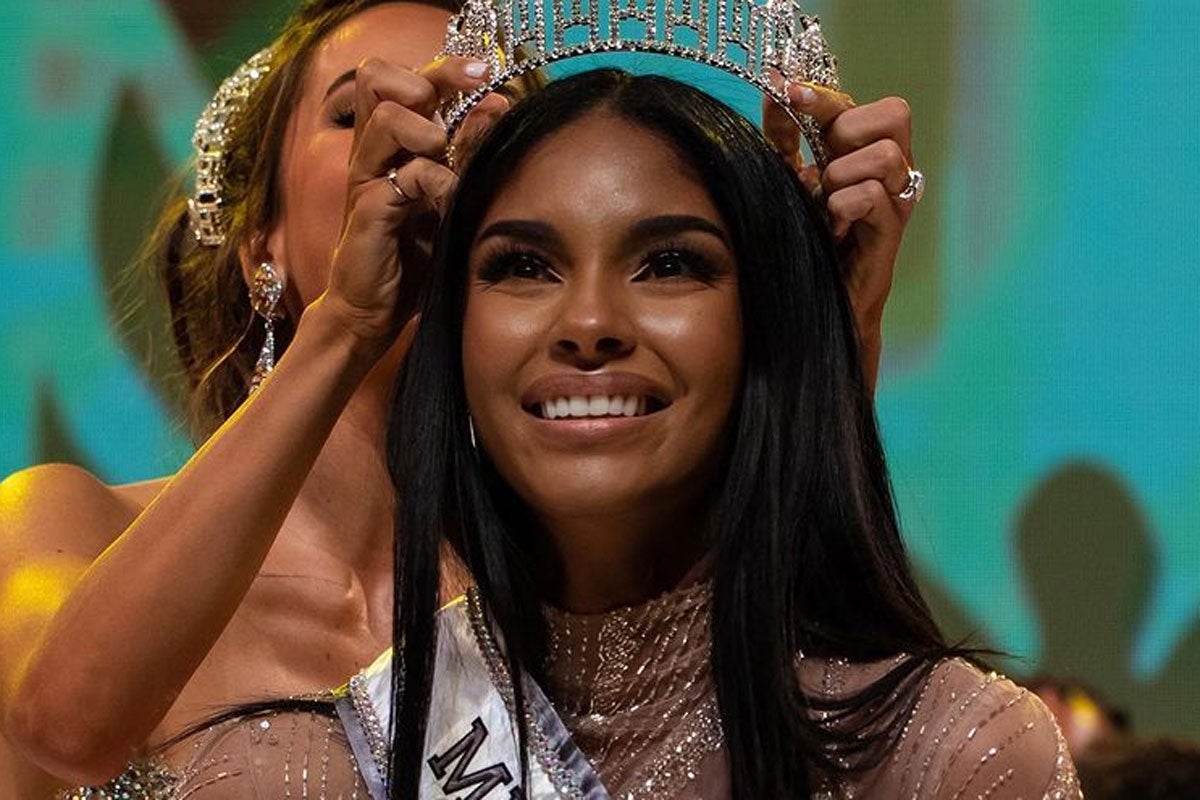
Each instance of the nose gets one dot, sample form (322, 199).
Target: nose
(594, 322)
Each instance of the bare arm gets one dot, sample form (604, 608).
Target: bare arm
(127, 609)
(94, 647)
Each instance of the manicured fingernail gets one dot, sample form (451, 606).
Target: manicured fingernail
(475, 69)
(439, 120)
(804, 95)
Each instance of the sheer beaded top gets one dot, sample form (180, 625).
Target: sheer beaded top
(634, 688)
(270, 756)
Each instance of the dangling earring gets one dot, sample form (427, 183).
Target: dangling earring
(266, 291)
(471, 432)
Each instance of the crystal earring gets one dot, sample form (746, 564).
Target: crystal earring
(266, 292)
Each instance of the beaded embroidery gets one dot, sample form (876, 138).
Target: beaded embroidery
(148, 780)
(301, 748)
(376, 737)
(560, 776)
(634, 687)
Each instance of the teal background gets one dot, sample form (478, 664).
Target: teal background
(1041, 375)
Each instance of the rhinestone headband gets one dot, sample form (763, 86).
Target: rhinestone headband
(211, 140)
(747, 38)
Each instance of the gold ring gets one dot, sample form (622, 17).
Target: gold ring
(400, 193)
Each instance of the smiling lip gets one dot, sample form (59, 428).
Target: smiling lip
(606, 396)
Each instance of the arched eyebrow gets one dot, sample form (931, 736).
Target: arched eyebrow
(538, 232)
(527, 230)
(672, 224)
(345, 77)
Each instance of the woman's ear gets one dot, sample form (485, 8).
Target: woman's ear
(261, 247)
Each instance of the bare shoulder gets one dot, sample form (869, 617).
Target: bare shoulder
(63, 509)
(986, 735)
(141, 494)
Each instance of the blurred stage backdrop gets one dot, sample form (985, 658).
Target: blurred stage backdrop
(1041, 379)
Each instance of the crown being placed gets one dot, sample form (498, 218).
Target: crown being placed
(214, 129)
(748, 38)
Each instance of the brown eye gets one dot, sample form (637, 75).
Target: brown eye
(519, 264)
(673, 263)
(527, 267)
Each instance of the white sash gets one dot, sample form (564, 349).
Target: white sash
(471, 743)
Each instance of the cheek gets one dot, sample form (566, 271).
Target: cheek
(709, 359)
(702, 345)
(495, 343)
(474, 360)
(314, 202)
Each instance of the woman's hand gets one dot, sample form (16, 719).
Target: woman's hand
(88, 675)
(870, 151)
(398, 186)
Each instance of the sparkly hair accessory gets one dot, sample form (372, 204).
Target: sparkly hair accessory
(747, 38)
(211, 140)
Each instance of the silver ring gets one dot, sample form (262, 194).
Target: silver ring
(914, 190)
(395, 184)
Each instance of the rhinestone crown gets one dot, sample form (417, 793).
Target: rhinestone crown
(747, 38)
(211, 140)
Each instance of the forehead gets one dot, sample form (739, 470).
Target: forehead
(406, 34)
(602, 164)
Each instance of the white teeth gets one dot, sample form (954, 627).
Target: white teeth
(598, 405)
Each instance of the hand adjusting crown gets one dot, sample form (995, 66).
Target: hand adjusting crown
(747, 38)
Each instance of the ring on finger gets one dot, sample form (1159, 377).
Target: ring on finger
(914, 188)
(402, 195)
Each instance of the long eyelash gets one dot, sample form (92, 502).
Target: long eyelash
(498, 264)
(701, 266)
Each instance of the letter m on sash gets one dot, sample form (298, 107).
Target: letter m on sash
(451, 766)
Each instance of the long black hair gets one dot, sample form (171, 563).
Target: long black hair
(807, 551)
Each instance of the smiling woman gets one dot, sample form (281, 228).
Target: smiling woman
(710, 596)
(261, 569)
(703, 596)
(623, 285)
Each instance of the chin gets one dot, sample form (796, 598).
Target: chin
(569, 496)
(617, 492)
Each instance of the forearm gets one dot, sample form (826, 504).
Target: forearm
(111, 661)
